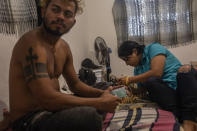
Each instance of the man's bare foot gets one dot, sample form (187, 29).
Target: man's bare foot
(189, 125)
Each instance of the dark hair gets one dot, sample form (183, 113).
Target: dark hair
(126, 48)
(45, 3)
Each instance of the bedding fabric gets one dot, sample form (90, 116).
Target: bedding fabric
(141, 118)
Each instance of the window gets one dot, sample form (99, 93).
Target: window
(169, 22)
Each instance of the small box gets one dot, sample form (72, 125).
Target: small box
(98, 74)
(119, 92)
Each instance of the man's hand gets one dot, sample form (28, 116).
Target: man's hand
(108, 101)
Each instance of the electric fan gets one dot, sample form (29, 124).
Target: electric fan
(102, 54)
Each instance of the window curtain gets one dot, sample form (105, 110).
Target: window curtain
(18, 16)
(169, 22)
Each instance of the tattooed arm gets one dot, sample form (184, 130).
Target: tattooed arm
(43, 88)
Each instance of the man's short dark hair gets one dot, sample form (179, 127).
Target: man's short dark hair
(126, 48)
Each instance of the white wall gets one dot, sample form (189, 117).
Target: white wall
(186, 53)
(76, 38)
(6, 46)
(100, 23)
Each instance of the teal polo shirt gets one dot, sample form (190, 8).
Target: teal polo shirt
(172, 64)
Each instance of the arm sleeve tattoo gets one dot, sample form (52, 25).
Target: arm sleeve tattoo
(34, 69)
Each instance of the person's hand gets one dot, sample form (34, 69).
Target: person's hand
(108, 102)
(129, 92)
(110, 88)
(123, 80)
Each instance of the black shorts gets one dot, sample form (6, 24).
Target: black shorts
(74, 119)
(28, 121)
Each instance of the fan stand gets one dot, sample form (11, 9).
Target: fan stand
(108, 68)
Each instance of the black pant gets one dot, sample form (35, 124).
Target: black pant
(75, 119)
(162, 94)
(187, 95)
(182, 101)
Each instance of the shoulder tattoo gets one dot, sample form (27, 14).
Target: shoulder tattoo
(33, 69)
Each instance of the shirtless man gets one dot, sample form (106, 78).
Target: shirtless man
(38, 59)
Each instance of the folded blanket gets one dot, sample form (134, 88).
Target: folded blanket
(141, 118)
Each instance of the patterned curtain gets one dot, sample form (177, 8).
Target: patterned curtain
(169, 22)
(18, 16)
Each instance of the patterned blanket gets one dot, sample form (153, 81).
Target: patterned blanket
(138, 118)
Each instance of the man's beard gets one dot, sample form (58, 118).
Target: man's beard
(53, 32)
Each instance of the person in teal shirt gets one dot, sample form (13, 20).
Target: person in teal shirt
(155, 68)
(172, 64)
